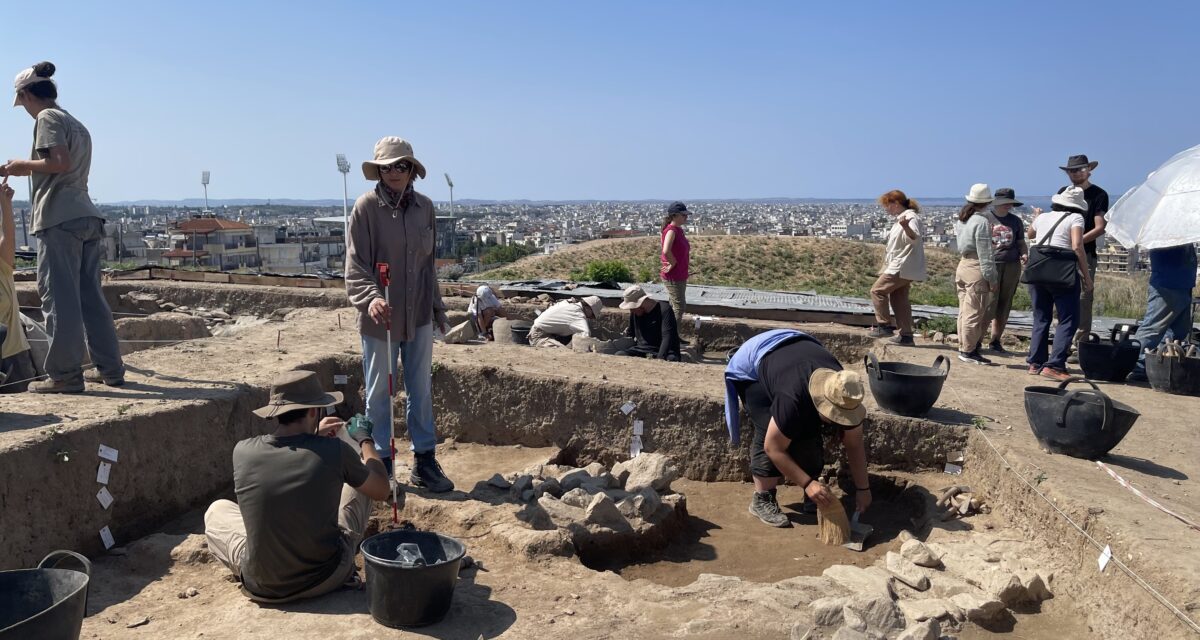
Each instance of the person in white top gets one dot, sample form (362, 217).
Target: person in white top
(903, 264)
(1063, 229)
(557, 325)
(484, 308)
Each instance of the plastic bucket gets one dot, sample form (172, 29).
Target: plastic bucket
(1080, 423)
(46, 602)
(1111, 360)
(520, 331)
(403, 596)
(906, 389)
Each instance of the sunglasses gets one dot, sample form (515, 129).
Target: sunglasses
(400, 167)
(1077, 170)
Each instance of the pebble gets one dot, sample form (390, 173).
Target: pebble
(190, 592)
(142, 621)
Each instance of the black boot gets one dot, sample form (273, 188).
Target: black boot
(428, 473)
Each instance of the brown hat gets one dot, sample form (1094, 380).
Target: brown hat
(838, 396)
(633, 297)
(297, 390)
(391, 150)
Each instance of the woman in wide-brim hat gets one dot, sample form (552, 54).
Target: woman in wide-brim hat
(975, 278)
(1009, 251)
(394, 225)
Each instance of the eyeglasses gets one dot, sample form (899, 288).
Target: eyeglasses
(399, 167)
(1077, 170)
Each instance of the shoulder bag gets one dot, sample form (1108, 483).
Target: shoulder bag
(1051, 267)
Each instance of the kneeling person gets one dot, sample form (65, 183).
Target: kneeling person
(795, 392)
(559, 324)
(304, 496)
(651, 324)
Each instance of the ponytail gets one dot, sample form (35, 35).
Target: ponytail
(969, 209)
(897, 196)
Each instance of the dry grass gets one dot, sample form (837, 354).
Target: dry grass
(1120, 296)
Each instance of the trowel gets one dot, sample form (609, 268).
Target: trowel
(859, 533)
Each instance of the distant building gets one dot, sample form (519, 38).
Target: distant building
(1114, 258)
(224, 245)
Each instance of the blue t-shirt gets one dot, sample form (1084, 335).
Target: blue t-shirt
(1173, 267)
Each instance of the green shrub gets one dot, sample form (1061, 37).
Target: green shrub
(604, 271)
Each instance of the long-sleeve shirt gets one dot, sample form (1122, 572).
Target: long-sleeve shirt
(655, 331)
(905, 256)
(564, 318)
(743, 366)
(975, 241)
(405, 240)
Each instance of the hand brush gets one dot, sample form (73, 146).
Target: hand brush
(832, 524)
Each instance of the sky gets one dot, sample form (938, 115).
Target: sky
(619, 100)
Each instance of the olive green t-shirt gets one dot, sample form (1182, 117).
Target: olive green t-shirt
(289, 492)
(60, 197)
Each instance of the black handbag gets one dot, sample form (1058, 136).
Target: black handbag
(1051, 267)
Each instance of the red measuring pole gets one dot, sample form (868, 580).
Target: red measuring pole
(385, 281)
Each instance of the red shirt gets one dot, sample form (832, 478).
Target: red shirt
(680, 249)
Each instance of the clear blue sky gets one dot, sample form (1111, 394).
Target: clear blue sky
(614, 100)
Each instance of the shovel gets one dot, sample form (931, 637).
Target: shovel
(858, 533)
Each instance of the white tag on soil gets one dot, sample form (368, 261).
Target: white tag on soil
(628, 407)
(635, 446)
(638, 427)
(103, 472)
(104, 497)
(108, 453)
(953, 469)
(107, 538)
(1105, 556)
(341, 378)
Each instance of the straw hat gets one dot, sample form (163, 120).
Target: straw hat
(1071, 197)
(838, 396)
(391, 150)
(633, 297)
(297, 390)
(979, 194)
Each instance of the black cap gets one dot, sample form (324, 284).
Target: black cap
(677, 207)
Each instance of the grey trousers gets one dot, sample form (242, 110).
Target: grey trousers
(1086, 298)
(68, 280)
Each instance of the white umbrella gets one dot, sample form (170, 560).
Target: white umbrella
(1163, 211)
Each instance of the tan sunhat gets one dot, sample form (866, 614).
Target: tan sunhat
(838, 396)
(595, 304)
(297, 390)
(1072, 198)
(633, 297)
(979, 194)
(390, 150)
(26, 78)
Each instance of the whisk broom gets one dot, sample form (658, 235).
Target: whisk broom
(833, 527)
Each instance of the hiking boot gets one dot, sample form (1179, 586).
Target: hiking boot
(1055, 374)
(1035, 370)
(973, 358)
(881, 331)
(764, 507)
(57, 386)
(1073, 359)
(428, 473)
(93, 375)
(903, 340)
(996, 347)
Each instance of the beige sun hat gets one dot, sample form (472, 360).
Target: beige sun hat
(595, 304)
(390, 150)
(979, 194)
(297, 390)
(1071, 197)
(23, 80)
(838, 396)
(633, 297)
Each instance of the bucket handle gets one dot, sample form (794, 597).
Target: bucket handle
(870, 361)
(942, 362)
(1093, 338)
(1072, 395)
(56, 558)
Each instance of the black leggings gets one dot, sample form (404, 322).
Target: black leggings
(809, 453)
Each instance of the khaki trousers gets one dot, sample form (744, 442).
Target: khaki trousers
(226, 533)
(893, 289)
(973, 294)
(677, 291)
(1000, 303)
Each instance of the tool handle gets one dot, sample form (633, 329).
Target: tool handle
(385, 274)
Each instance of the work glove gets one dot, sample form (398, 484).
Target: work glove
(359, 429)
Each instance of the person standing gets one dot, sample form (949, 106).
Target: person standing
(976, 276)
(1062, 231)
(1009, 250)
(675, 255)
(393, 224)
(70, 231)
(1079, 170)
(1169, 301)
(903, 264)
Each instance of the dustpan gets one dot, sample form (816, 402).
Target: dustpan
(859, 533)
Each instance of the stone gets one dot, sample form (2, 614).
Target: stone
(620, 473)
(933, 609)
(190, 592)
(528, 495)
(867, 582)
(595, 469)
(980, 610)
(848, 633)
(904, 536)
(939, 337)
(520, 486)
(801, 631)
(1006, 587)
(649, 503)
(222, 315)
(1035, 584)
(573, 479)
(544, 297)
(169, 306)
(947, 586)
(549, 486)
(851, 619)
(628, 507)
(827, 612)
(878, 612)
(603, 511)
(907, 572)
(928, 630)
(952, 338)
(595, 485)
(138, 622)
(561, 514)
(919, 554)
(653, 470)
(577, 498)
(617, 495)
(499, 482)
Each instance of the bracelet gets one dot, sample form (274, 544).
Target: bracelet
(857, 489)
(805, 485)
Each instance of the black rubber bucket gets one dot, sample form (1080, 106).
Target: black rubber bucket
(520, 331)
(1109, 360)
(47, 602)
(1082, 423)
(906, 389)
(403, 596)
(1178, 375)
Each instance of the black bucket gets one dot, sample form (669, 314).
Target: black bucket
(906, 389)
(520, 331)
(1079, 423)
(1179, 375)
(1109, 360)
(46, 602)
(403, 596)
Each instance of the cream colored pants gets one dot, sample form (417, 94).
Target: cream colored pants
(973, 292)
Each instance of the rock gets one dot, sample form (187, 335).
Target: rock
(573, 479)
(595, 469)
(603, 511)
(980, 610)
(190, 592)
(620, 473)
(906, 572)
(499, 482)
(848, 633)
(939, 337)
(827, 612)
(595, 485)
(933, 609)
(544, 297)
(801, 631)
(904, 536)
(952, 338)
(577, 498)
(281, 313)
(866, 582)
(528, 495)
(522, 484)
(561, 514)
(878, 612)
(919, 554)
(222, 315)
(948, 586)
(851, 619)
(1006, 587)
(192, 550)
(549, 486)
(649, 503)
(168, 306)
(628, 507)
(138, 622)
(653, 470)
(1035, 584)
(928, 630)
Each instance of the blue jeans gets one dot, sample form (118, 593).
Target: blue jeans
(1167, 310)
(68, 279)
(416, 360)
(1045, 302)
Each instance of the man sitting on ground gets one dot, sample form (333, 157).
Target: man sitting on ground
(304, 496)
(795, 392)
(565, 319)
(1169, 301)
(652, 324)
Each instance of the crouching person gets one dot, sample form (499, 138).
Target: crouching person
(651, 324)
(303, 498)
(796, 394)
(565, 319)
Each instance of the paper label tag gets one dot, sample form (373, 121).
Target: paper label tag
(108, 453)
(103, 472)
(341, 378)
(1105, 556)
(953, 469)
(635, 446)
(628, 407)
(638, 427)
(697, 320)
(107, 538)
(104, 497)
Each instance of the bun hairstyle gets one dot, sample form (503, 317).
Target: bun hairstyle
(44, 90)
(43, 69)
(897, 196)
